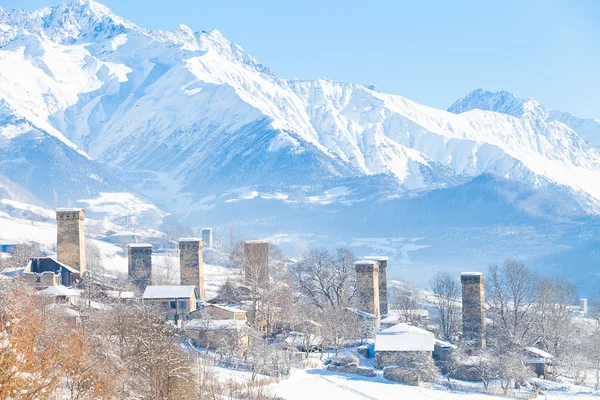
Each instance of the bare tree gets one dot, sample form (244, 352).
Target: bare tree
(446, 293)
(165, 272)
(19, 257)
(555, 299)
(408, 301)
(326, 281)
(510, 290)
(174, 228)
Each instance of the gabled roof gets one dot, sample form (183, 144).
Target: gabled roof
(538, 352)
(377, 258)
(49, 264)
(169, 292)
(227, 308)
(404, 337)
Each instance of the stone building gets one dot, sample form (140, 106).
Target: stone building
(139, 265)
(367, 287)
(176, 301)
(473, 309)
(70, 238)
(399, 342)
(256, 261)
(191, 264)
(43, 272)
(383, 289)
(207, 236)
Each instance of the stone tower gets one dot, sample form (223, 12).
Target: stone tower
(383, 292)
(140, 264)
(207, 237)
(70, 238)
(191, 264)
(473, 308)
(367, 286)
(256, 261)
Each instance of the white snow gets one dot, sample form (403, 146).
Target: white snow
(168, 292)
(404, 337)
(120, 98)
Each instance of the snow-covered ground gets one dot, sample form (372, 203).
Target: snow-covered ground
(321, 384)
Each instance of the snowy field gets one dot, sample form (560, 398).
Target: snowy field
(321, 384)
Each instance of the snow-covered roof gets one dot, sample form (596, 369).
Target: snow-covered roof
(377, 258)
(539, 352)
(227, 308)
(362, 314)
(471, 273)
(169, 292)
(214, 324)
(256, 241)
(444, 345)
(120, 295)
(189, 240)
(55, 291)
(404, 337)
(72, 209)
(139, 245)
(49, 260)
(365, 262)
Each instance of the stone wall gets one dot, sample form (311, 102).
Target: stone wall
(367, 287)
(191, 264)
(70, 238)
(140, 264)
(390, 358)
(473, 309)
(383, 289)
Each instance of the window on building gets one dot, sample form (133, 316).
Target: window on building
(173, 305)
(182, 305)
(165, 304)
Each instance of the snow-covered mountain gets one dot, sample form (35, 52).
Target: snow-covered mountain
(203, 129)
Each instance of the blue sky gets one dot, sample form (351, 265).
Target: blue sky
(433, 52)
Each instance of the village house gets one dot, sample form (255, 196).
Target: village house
(216, 311)
(43, 272)
(400, 341)
(177, 301)
(226, 335)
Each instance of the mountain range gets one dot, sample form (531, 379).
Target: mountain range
(90, 103)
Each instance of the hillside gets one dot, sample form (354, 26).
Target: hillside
(91, 103)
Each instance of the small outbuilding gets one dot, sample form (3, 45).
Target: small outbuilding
(229, 335)
(394, 344)
(541, 362)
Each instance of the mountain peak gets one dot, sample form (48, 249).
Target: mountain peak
(503, 102)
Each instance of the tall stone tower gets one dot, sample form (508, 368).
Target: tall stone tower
(473, 308)
(207, 236)
(367, 286)
(191, 264)
(70, 238)
(140, 264)
(383, 289)
(256, 261)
